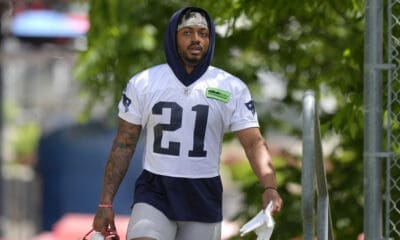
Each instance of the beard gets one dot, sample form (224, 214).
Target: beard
(190, 60)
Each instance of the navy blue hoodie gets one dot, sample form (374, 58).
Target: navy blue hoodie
(172, 55)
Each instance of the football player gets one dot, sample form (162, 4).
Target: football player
(184, 107)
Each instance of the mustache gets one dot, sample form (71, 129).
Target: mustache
(195, 45)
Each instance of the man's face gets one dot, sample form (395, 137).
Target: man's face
(193, 42)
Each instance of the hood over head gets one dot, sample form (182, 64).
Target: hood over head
(171, 51)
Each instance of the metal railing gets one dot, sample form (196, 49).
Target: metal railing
(313, 174)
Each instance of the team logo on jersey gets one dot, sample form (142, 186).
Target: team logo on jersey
(126, 101)
(218, 94)
(250, 106)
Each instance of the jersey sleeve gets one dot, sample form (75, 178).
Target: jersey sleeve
(245, 115)
(129, 106)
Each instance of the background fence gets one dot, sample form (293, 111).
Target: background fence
(392, 223)
(382, 98)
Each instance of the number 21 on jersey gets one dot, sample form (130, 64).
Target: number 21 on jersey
(175, 123)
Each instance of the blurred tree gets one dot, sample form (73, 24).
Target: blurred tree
(311, 44)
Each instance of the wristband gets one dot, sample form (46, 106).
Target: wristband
(272, 188)
(105, 205)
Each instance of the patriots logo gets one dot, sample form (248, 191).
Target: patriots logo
(126, 101)
(250, 106)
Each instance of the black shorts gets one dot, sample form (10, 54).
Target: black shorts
(181, 199)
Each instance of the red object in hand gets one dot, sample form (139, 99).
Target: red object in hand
(110, 235)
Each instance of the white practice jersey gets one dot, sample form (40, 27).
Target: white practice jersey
(184, 125)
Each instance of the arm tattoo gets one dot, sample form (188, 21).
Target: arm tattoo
(123, 148)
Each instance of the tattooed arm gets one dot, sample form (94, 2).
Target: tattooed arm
(123, 148)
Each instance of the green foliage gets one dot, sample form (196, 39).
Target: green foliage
(25, 140)
(315, 45)
(23, 137)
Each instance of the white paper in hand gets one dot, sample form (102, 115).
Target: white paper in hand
(262, 224)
